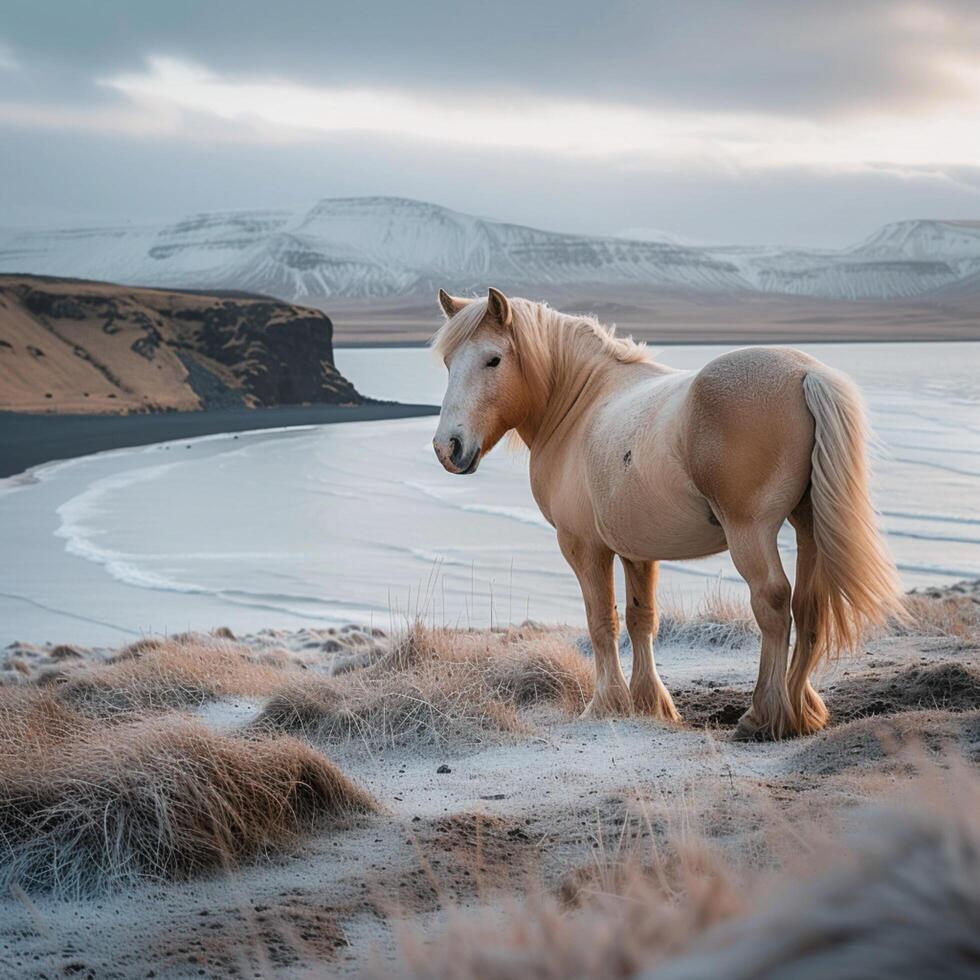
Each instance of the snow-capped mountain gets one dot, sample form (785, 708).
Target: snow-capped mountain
(365, 248)
(901, 260)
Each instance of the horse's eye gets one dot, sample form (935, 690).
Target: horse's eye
(493, 362)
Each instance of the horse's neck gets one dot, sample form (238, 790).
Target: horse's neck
(574, 388)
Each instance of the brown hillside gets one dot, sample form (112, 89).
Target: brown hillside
(70, 346)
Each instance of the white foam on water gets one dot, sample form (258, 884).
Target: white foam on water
(80, 526)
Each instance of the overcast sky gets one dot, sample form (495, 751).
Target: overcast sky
(769, 121)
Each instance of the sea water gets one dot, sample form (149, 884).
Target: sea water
(359, 523)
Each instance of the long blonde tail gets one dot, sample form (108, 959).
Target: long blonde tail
(855, 583)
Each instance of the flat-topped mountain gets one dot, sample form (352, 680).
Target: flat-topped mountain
(70, 346)
(366, 249)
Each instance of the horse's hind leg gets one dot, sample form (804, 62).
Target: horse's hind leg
(756, 556)
(593, 566)
(650, 697)
(811, 712)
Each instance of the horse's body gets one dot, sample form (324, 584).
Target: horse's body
(630, 458)
(630, 455)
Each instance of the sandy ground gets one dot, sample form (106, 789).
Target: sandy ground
(677, 317)
(475, 820)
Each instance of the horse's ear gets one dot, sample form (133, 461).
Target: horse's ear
(451, 305)
(498, 306)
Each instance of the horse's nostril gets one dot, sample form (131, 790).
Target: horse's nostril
(455, 448)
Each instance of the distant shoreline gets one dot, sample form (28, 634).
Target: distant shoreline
(28, 440)
(709, 340)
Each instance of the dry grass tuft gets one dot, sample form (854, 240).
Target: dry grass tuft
(158, 675)
(722, 619)
(32, 722)
(955, 616)
(418, 645)
(304, 709)
(719, 620)
(138, 647)
(87, 805)
(438, 686)
(444, 704)
(64, 651)
(549, 671)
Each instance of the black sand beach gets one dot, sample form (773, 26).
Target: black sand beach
(29, 440)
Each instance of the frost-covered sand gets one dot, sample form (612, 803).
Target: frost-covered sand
(489, 787)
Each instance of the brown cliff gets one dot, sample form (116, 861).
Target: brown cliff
(70, 346)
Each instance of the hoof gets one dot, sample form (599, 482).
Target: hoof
(772, 730)
(655, 703)
(749, 730)
(610, 704)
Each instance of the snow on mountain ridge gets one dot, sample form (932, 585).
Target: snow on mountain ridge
(362, 248)
(901, 260)
(924, 239)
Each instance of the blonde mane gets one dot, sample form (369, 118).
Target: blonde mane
(544, 339)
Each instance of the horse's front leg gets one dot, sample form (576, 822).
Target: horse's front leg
(593, 566)
(650, 697)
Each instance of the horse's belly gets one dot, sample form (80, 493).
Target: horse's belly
(647, 537)
(653, 520)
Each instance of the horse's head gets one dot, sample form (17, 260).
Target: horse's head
(486, 395)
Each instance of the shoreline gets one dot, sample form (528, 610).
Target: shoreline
(748, 339)
(30, 440)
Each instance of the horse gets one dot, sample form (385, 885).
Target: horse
(631, 458)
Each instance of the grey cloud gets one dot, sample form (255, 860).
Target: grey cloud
(763, 55)
(787, 56)
(967, 177)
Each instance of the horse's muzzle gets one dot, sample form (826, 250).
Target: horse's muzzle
(455, 457)
(473, 463)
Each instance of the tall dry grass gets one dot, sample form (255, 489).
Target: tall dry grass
(953, 616)
(719, 619)
(87, 805)
(161, 675)
(439, 686)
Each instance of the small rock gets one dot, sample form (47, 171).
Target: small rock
(443, 769)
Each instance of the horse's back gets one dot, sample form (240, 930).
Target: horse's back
(668, 459)
(748, 435)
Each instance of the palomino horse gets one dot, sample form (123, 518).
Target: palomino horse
(632, 458)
